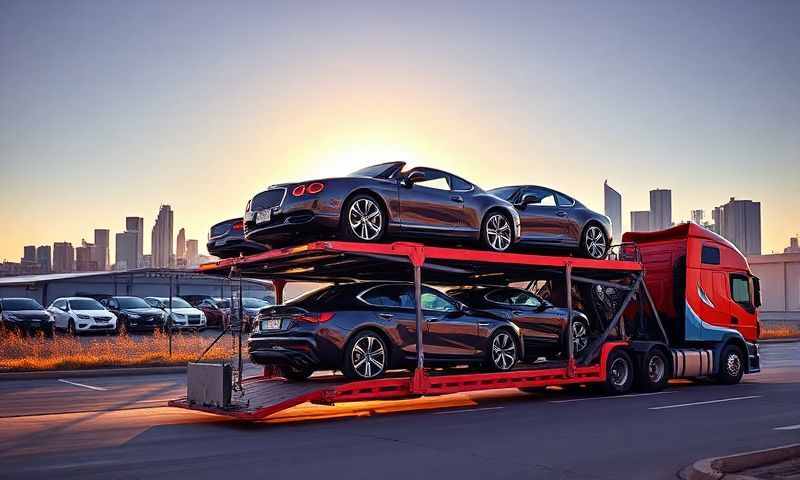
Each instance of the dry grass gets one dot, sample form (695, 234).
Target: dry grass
(779, 330)
(65, 352)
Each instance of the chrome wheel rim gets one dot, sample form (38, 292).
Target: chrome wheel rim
(580, 336)
(733, 364)
(368, 357)
(619, 372)
(498, 232)
(656, 369)
(365, 219)
(595, 242)
(504, 351)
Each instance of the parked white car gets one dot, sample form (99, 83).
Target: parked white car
(80, 314)
(183, 315)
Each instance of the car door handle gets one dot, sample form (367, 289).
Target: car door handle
(517, 313)
(457, 198)
(483, 324)
(386, 315)
(561, 213)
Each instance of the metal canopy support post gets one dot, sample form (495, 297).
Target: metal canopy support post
(570, 333)
(279, 286)
(595, 347)
(170, 319)
(416, 255)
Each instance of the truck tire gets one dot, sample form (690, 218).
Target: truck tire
(654, 372)
(619, 373)
(731, 365)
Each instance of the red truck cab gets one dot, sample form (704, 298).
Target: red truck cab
(704, 292)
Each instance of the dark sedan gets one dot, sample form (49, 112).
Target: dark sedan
(552, 219)
(366, 328)
(226, 239)
(543, 325)
(382, 201)
(24, 315)
(134, 314)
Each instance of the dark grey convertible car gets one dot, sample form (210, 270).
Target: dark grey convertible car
(381, 201)
(552, 219)
(366, 328)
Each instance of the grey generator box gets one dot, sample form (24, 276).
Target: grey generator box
(209, 384)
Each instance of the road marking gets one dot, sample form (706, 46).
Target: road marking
(612, 397)
(99, 389)
(467, 410)
(788, 427)
(731, 399)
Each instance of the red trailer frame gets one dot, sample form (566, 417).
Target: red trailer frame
(332, 261)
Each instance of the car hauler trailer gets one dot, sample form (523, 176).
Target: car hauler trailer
(630, 348)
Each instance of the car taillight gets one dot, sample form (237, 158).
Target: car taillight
(315, 187)
(315, 317)
(238, 226)
(298, 190)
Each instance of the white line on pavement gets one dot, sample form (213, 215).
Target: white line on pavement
(99, 389)
(788, 427)
(467, 410)
(731, 399)
(612, 397)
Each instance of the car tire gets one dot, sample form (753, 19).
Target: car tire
(71, 330)
(654, 373)
(363, 219)
(366, 356)
(731, 366)
(594, 242)
(503, 352)
(619, 373)
(294, 374)
(493, 229)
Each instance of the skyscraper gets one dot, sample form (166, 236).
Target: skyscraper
(101, 237)
(697, 216)
(127, 257)
(28, 254)
(85, 256)
(191, 252)
(43, 258)
(660, 209)
(161, 245)
(793, 247)
(741, 224)
(613, 209)
(63, 257)
(180, 250)
(640, 221)
(716, 217)
(136, 225)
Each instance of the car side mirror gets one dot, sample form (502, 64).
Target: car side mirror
(66, 308)
(528, 199)
(413, 178)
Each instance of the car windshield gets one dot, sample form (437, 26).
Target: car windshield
(85, 304)
(254, 303)
(13, 304)
(504, 192)
(132, 302)
(382, 170)
(178, 303)
(223, 303)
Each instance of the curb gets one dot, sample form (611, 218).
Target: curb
(100, 372)
(718, 468)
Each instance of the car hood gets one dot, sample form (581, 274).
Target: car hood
(186, 311)
(28, 314)
(143, 311)
(94, 313)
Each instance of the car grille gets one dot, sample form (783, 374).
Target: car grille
(268, 199)
(194, 319)
(101, 319)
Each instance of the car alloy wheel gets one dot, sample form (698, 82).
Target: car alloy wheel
(365, 219)
(498, 232)
(368, 356)
(580, 336)
(504, 351)
(595, 242)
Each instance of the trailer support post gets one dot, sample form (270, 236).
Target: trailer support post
(655, 312)
(416, 256)
(602, 338)
(570, 333)
(279, 286)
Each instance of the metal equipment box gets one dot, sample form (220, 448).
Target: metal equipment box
(209, 384)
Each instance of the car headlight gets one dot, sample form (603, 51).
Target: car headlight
(134, 316)
(11, 318)
(178, 316)
(84, 317)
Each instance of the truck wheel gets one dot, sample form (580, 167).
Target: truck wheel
(619, 373)
(654, 375)
(731, 366)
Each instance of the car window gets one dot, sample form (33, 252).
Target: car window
(152, 302)
(545, 197)
(85, 304)
(740, 290)
(60, 304)
(433, 179)
(435, 301)
(396, 296)
(564, 201)
(459, 184)
(512, 296)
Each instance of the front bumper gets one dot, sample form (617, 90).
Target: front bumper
(753, 358)
(45, 326)
(83, 325)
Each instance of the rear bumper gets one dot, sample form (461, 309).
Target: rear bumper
(753, 358)
(285, 351)
(286, 228)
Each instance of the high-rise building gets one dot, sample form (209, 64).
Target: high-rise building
(741, 224)
(136, 224)
(85, 256)
(180, 250)
(793, 246)
(697, 216)
(660, 209)
(613, 209)
(101, 244)
(191, 252)
(127, 255)
(28, 255)
(716, 217)
(63, 257)
(43, 258)
(161, 239)
(640, 221)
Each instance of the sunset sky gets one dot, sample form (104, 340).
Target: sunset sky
(111, 108)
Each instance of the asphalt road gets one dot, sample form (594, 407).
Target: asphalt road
(117, 427)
